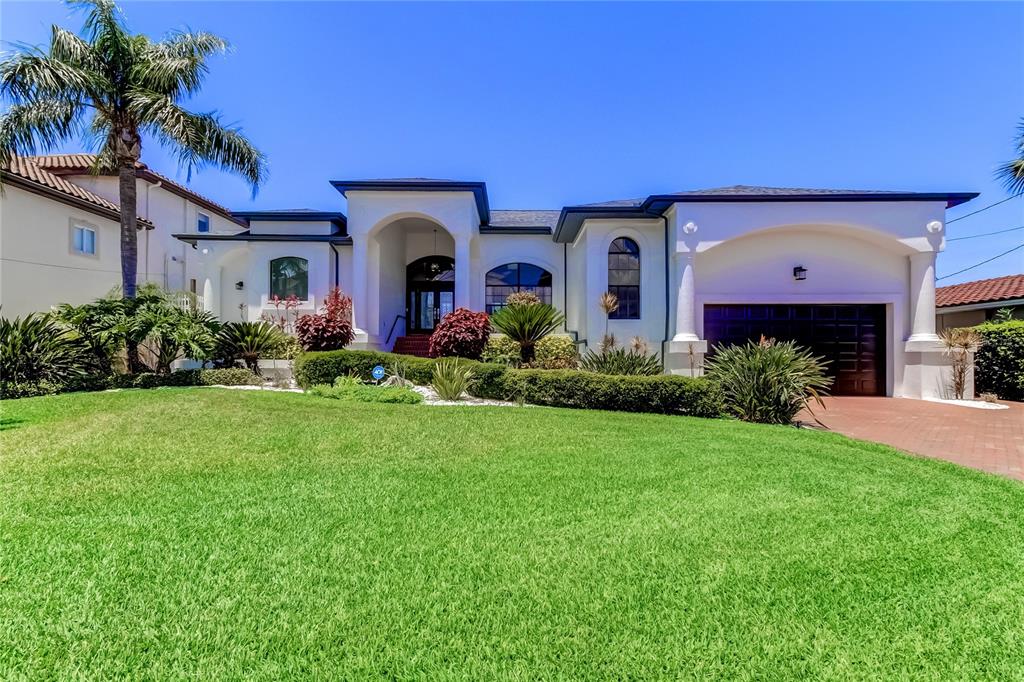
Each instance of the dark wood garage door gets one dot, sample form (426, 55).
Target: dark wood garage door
(850, 337)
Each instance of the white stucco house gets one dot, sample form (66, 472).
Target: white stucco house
(850, 273)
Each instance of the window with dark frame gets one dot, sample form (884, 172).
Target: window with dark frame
(512, 277)
(624, 278)
(289, 276)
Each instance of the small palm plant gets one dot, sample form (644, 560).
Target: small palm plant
(621, 361)
(526, 325)
(248, 342)
(451, 378)
(35, 350)
(959, 344)
(112, 86)
(768, 382)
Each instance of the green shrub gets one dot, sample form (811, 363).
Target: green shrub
(527, 324)
(621, 361)
(451, 379)
(663, 394)
(768, 382)
(557, 348)
(228, 376)
(502, 350)
(248, 342)
(344, 388)
(999, 363)
(36, 352)
(322, 368)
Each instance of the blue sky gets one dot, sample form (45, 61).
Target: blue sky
(555, 104)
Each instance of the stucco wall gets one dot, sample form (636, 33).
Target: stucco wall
(38, 269)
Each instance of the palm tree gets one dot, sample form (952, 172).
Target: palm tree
(126, 86)
(1012, 172)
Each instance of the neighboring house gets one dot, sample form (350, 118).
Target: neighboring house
(971, 303)
(849, 273)
(60, 232)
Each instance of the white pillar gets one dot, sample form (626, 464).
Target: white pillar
(360, 253)
(922, 297)
(462, 262)
(686, 299)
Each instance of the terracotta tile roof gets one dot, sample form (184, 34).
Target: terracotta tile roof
(27, 171)
(981, 291)
(78, 164)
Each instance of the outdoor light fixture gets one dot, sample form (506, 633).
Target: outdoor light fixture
(206, 251)
(799, 273)
(239, 284)
(690, 227)
(934, 227)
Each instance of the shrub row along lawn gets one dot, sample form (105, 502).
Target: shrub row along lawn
(206, 533)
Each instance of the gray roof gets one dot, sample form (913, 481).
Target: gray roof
(523, 218)
(747, 191)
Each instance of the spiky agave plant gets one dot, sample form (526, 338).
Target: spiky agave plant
(621, 361)
(248, 342)
(451, 378)
(526, 325)
(768, 381)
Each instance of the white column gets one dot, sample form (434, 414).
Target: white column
(686, 299)
(359, 293)
(922, 297)
(462, 262)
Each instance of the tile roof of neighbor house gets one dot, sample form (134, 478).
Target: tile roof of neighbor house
(24, 171)
(981, 291)
(80, 164)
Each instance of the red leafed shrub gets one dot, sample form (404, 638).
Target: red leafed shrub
(461, 333)
(331, 328)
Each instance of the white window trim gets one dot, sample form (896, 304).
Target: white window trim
(76, 224)
(209, 222)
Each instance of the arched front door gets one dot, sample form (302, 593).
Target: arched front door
(429, 292)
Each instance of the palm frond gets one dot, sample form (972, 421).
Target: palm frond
(105, 29)
(31, 74)
(1012, 172)
(71, 49)
(198, 138)
(41, 123)
(177, 65)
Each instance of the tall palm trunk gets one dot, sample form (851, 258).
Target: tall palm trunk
(128, 151)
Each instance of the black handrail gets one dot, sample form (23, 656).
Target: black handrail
(397, 318)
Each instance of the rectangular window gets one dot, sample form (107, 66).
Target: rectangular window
(203, 223)
(192, 285)
(85, 240)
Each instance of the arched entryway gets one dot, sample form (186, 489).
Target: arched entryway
(429, 292)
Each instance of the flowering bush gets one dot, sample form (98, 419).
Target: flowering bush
(522, 298)
(331, 329)
(461, 333)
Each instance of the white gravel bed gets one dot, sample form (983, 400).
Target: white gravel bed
(977, 404)
(430, 398)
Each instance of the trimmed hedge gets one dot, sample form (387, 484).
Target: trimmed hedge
(228, 376)
(663, 394)
(999, 363)
(324, 367)
(558, 388)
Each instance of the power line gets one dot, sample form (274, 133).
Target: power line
(985, 234)
(1019, 246)
(1003, 201)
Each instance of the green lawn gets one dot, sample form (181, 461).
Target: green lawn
(206, 533)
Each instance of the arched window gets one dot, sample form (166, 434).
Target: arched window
(624, 278)
(289, 276)
(512, 277)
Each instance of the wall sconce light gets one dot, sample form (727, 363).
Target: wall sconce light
(239, 285)
(690, 227)
(934, 227)
(206, 251)
(799, 273)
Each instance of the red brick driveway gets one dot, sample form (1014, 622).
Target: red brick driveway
(990, 440)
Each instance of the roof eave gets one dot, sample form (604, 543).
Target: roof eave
(479, 190)
(660, 202)
(68, 199)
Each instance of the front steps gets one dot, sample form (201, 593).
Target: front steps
(415, 344)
